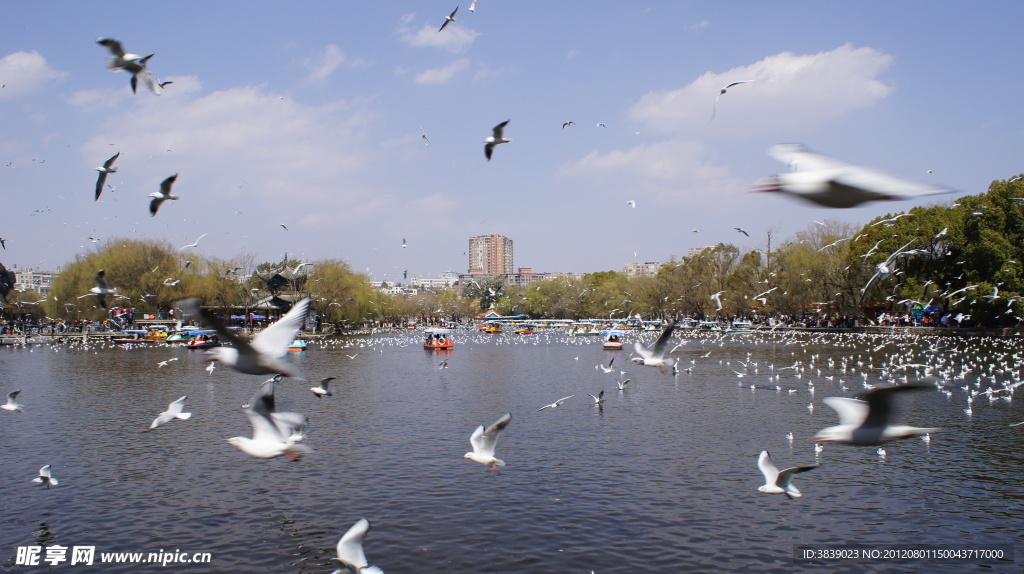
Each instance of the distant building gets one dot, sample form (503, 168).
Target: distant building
(394, 289)
(649, 269)
(445, 281)
(697, 251)
(490, 255)
(33, 279)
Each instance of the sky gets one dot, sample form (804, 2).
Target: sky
(309, 115)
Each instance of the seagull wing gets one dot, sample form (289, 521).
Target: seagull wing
(113, 45)
(850, 411)
(165, 185)
(787, 475)
(796, 156)
(498, 129)
(274, 340)
(644, 353)
(876, 182)
(146, 75)
(658, 348)
(768, 468)
(488, 150)
(350, 547)
(484, 439)
(260, 414)
(881, 406)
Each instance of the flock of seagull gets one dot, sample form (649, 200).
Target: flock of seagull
(911, 363)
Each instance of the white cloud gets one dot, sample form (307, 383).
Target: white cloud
(454, 38)
(786, 91)
(443, 74)
(325, 64)
(25, 72)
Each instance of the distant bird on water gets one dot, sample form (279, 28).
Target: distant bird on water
(163, 195)
(833, 183)
(448, 19)
(131, 63)
(495, 139)
(107, 167)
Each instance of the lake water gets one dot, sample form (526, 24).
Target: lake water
(663, 478)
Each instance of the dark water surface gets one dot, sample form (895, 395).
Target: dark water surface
(663, 478)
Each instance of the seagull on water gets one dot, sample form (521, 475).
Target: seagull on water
(174, 411)
(131, 63)
(779, 482)
(350, 550)
(262, 355)
(448, 19)
(483, 441)
(655, 355)
(555, 404)
(833, 183)
(867, 422)
(163, 195)
(495, 139)
(45, 477)
(12, 403)
(621, 386)
(107, 167)
(323, 388)
(272, 435)
(599, 398)
(607, 369)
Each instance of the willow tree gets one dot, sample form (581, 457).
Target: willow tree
(339, 293)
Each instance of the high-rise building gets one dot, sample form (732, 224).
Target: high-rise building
(490, 255)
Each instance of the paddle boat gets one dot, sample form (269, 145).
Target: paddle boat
(526, 330)
(132, 336)
(297, 346)
(203, 340)
(613, 340)
(438, 340)
(492, 328)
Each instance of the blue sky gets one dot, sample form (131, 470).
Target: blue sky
(309, 114)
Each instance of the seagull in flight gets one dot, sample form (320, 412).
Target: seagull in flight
(779, 482)
(567, 124)
(163, 195)
(742, 231)
(448, 19)
(193, 244)
(483, 441)
(173, 412)
(261, 356)
(131, 63)
(107, 167)
(423, 136)
(721, 92)
(472, 6)
(832, 183)
(598, 398)
(495, 139)
(45, 477)
(350, 550)
(12, 403)
(655, 355)
(102, 288)
(272, 436)
(717, 298)
(555, 404)
(867, 422)
(323, 388)
(632, 203)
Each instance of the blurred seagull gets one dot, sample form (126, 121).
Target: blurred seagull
(567, 124)
(721, 92)
(599, 398)
(655, 355)
(323, 388)
(102, 288)
(131, 63)
(107, 167)
(448, 19)
(866, 422)
(555, 404)
(717, 298)
(45, 477)
(483, 441)
(163, 195)
(778, 482)
(262, 355)
(495, 139)
(173, 412)
(350, 550)
(269, 432)
(621, 386)
(12, 403)
(632, 203)
(472, 6)
(423, 136)
(741, 231)
(832, 183)
(283, 226)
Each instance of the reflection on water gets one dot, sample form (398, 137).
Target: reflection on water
(660, 478)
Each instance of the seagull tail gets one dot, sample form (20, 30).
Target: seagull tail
(499, 462)
(371, 570)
